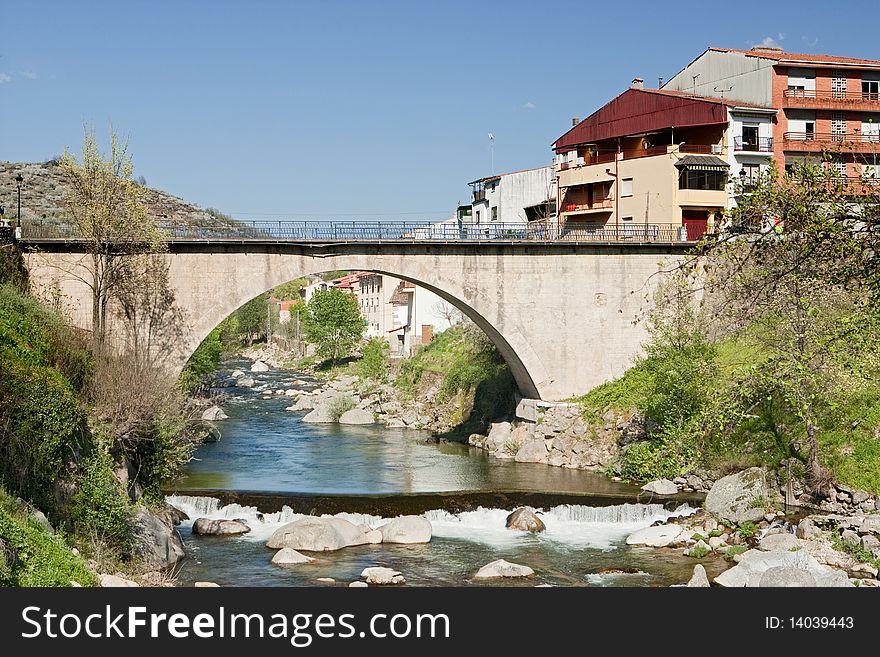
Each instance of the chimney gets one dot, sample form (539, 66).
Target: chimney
(575, 120)
(637, 83)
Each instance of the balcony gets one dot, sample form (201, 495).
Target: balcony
(855, 100)
(597, 206)
(855, 185)
(831, 141)
(756, 145)
(480, 196)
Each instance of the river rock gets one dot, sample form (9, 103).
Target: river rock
(115, 581)
(302, 403)
(786, 577)
(871, 524)
(245, 382)
(236, 374)
(374, 536)
(525, 519)
(752, 565)
(699, 578)
(501, 568)
(660, 487)
(807, 529)
(206, 585)
(156, 543)
(498, 435)
(659, 536)
(259, 366)
(739, 497)
(177, 516)
(532, 451)
(288, 556)
(382, 575)
(406, 529)
(214, 413)
(477, 440)
(219, 527)
(356, 416)
(317, 535)
(356, 585)
(320, 415)
(779, 542)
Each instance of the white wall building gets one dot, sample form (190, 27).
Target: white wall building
(514, 198)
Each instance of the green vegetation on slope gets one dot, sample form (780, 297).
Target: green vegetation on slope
(31, 556)
(474, 384)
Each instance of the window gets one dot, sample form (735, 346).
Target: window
(626, 187)
(871, 89)
(749, 176)
(809, 130)
(801, 82)
(838, 84)
(870, 131)
(478, 216)
(750, 138)
(838, 126)
(703, 178)
(494, 213)
(838, 166)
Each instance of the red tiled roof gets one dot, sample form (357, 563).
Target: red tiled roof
(782, 56)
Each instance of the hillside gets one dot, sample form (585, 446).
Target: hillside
(42, 197)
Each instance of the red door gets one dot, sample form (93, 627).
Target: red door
(696, 223)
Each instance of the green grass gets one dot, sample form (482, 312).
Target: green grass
(31, 556)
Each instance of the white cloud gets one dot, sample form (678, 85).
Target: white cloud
(529, 105)
(30, 75)
(768, 42)
(4, 78)
(810, 42)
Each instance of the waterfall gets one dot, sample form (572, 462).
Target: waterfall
(571, 524)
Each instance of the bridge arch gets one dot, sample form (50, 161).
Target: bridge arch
(235, 298)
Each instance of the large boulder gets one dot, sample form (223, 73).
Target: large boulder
(740, 497)
(779, 542)
(533, 451)
(660, 487)
(320, 415)
(786, 577)
(245, 382)
(498, 435)
(236, 374)
(356, 416)
(406, 529)
(501, 568)
(219, 527)
(259, 366)
(382, 575)
(156, 543)
(659, 536)
(753, 564)
(288, 556)
(526, 520)
(302, 403)
(213, 414)
(317, 535)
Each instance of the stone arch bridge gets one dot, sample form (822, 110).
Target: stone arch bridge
(562, 312)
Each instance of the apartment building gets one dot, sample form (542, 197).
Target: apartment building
(822, 103)
(651, 164)
(512, 198)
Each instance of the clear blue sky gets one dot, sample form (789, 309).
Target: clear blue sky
(375, 109)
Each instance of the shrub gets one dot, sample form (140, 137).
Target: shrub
(338, 406)
(374, 360)
(747, 530)
(31, 556)
(100, 509)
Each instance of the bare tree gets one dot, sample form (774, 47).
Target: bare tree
(108, 211)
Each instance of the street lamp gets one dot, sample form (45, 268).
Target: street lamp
(18, 181)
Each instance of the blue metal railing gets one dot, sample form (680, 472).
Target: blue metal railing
(355, 231)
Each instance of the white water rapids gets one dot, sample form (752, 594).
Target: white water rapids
(574, 525)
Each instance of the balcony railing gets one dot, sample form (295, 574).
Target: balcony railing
(832, 95)
(853, 139)
(479, 196)
(597, 232)
(597, 205)
(759, 144)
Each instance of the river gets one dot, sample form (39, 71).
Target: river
(269, 467)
